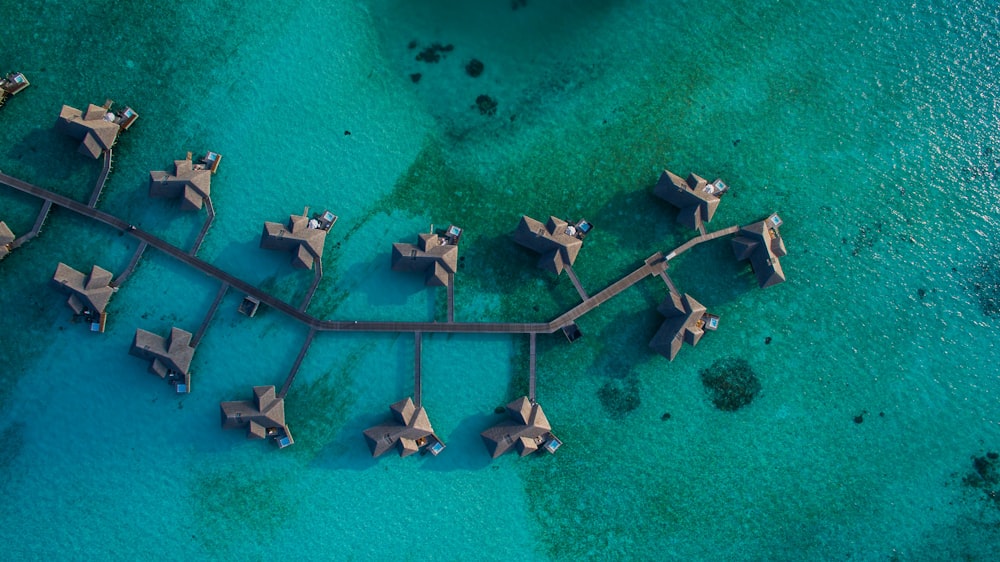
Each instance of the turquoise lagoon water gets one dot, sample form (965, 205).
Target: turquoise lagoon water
(872, 129)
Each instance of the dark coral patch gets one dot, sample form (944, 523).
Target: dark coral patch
(986, 287)
(730, 383)
(486, 105)
(474, 68)
(433, 53)
(620, 396)
(985, 477)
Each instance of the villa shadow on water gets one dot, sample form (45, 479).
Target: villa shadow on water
(466, 450)
(381, 286)
(49, 159)
(710, 273)
(273, 273)
(348, 450)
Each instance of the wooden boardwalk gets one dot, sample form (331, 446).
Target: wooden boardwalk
(317, 276)
(451, 297)
(204, 228)
(101, 180)
(576, 282)
(39, 221)
(417, 344)
(653, 266)
(297, 364)
(208, 316)
(131, 265)
(531, 367)
(699, 239)
(670, 282)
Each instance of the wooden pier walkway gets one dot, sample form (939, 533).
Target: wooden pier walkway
(670, 282)
(131, 264)
(699, 239)
(297, 364)
(39, 221)
(451, 297)
(531, 367)
(317, 276)
(576, 282)
(204, 228)
(417, 344)
(211, 312)
(101, 179)
(653, 265)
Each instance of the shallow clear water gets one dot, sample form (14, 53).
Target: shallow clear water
(872, 129)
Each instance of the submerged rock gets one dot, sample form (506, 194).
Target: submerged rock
(730, 383)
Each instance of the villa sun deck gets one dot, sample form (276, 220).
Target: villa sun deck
(526, 431)
(696, 198)
(169, 358)
(97, 128)
(303, 236)
(263, 416)
(686, 322)
(435, 255)
(409, 431)
(557, 241)
(11, 85)
(191, 181)
(88, 294)
(6, 240)
(761, 244)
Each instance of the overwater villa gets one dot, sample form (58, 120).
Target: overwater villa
(409, 431)
(557, 241)
(169, 358)
(88, 294)
(761, 244)
(696, 198)
(686, 322)
(303, 236)
(526, 431)
(6, 239)
(11, 84)
(191, 181)
(263, 416)
(97, 128)
(436, 256)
